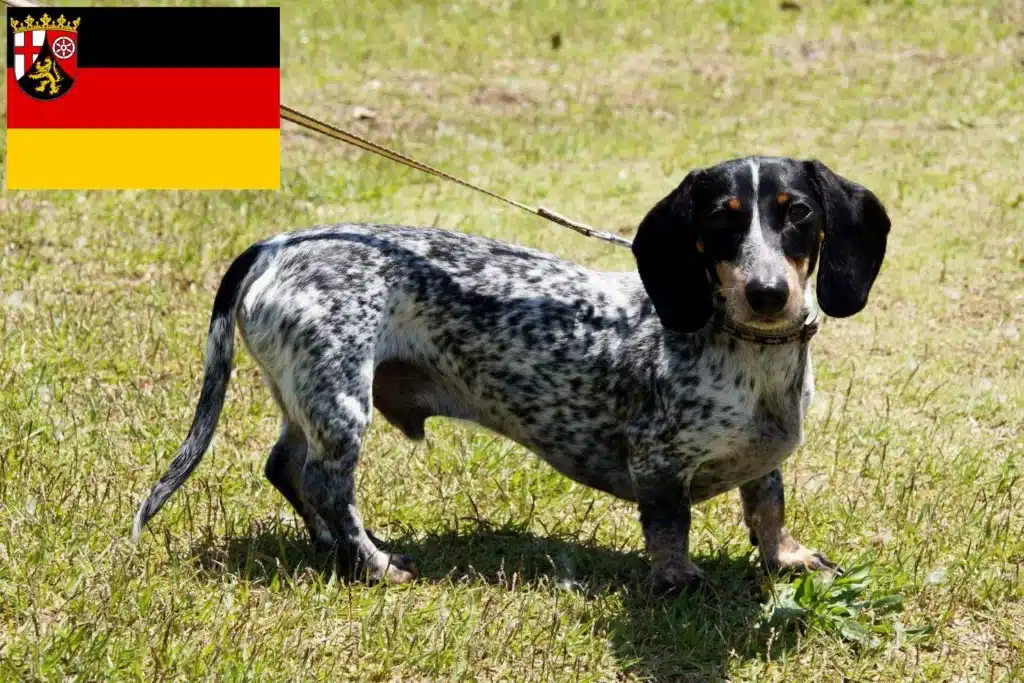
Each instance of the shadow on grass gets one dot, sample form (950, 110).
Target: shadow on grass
(691, 637)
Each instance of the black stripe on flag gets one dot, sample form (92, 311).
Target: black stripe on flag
(167, 36)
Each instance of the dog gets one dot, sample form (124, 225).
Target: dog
(664, 386)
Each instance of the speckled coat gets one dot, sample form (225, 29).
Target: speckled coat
(612, 382)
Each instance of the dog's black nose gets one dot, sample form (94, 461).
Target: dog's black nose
(767, 298)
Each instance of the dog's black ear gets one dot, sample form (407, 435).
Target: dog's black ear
(671, 266)
(856, 231)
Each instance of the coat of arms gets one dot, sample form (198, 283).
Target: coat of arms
(45, 55)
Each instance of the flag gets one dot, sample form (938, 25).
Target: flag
(143, 98)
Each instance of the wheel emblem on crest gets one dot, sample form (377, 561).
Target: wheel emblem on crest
(64, 47)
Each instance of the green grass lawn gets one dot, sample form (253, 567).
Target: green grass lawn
(913, 462)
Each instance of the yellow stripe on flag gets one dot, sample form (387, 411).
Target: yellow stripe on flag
(143, 159)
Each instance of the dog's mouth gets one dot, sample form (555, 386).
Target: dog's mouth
(739, 313)
(773, 322)
(738, 318)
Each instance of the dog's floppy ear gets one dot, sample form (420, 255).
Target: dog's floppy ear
(671, 266)
(856, 231)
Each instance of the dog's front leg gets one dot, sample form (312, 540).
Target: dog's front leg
(664, 505)
(764, 510)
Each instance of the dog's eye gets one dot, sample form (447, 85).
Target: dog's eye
(799, 212)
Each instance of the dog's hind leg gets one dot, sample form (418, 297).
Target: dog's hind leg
(338, 416)
(284, 471)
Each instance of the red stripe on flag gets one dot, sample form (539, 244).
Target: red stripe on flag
(154, 98)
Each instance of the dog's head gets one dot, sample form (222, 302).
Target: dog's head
(753, 231)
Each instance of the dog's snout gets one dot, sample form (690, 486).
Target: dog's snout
(767, 297)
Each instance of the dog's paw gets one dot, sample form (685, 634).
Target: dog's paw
(393, 569)
(672, 580)
(801, 559)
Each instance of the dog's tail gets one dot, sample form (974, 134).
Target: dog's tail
(217, 372)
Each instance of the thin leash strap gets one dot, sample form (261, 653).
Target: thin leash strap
(327, 129)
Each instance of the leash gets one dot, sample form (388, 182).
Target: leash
(308, 122)
(297, 117)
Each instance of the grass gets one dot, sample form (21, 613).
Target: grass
(913, 465)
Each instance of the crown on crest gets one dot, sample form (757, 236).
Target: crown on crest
(46, 24)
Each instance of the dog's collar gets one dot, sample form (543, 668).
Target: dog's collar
(802, 334)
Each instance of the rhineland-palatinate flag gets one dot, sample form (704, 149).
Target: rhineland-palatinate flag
(143, 98)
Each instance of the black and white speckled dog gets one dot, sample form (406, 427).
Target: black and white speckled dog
(645, 385)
